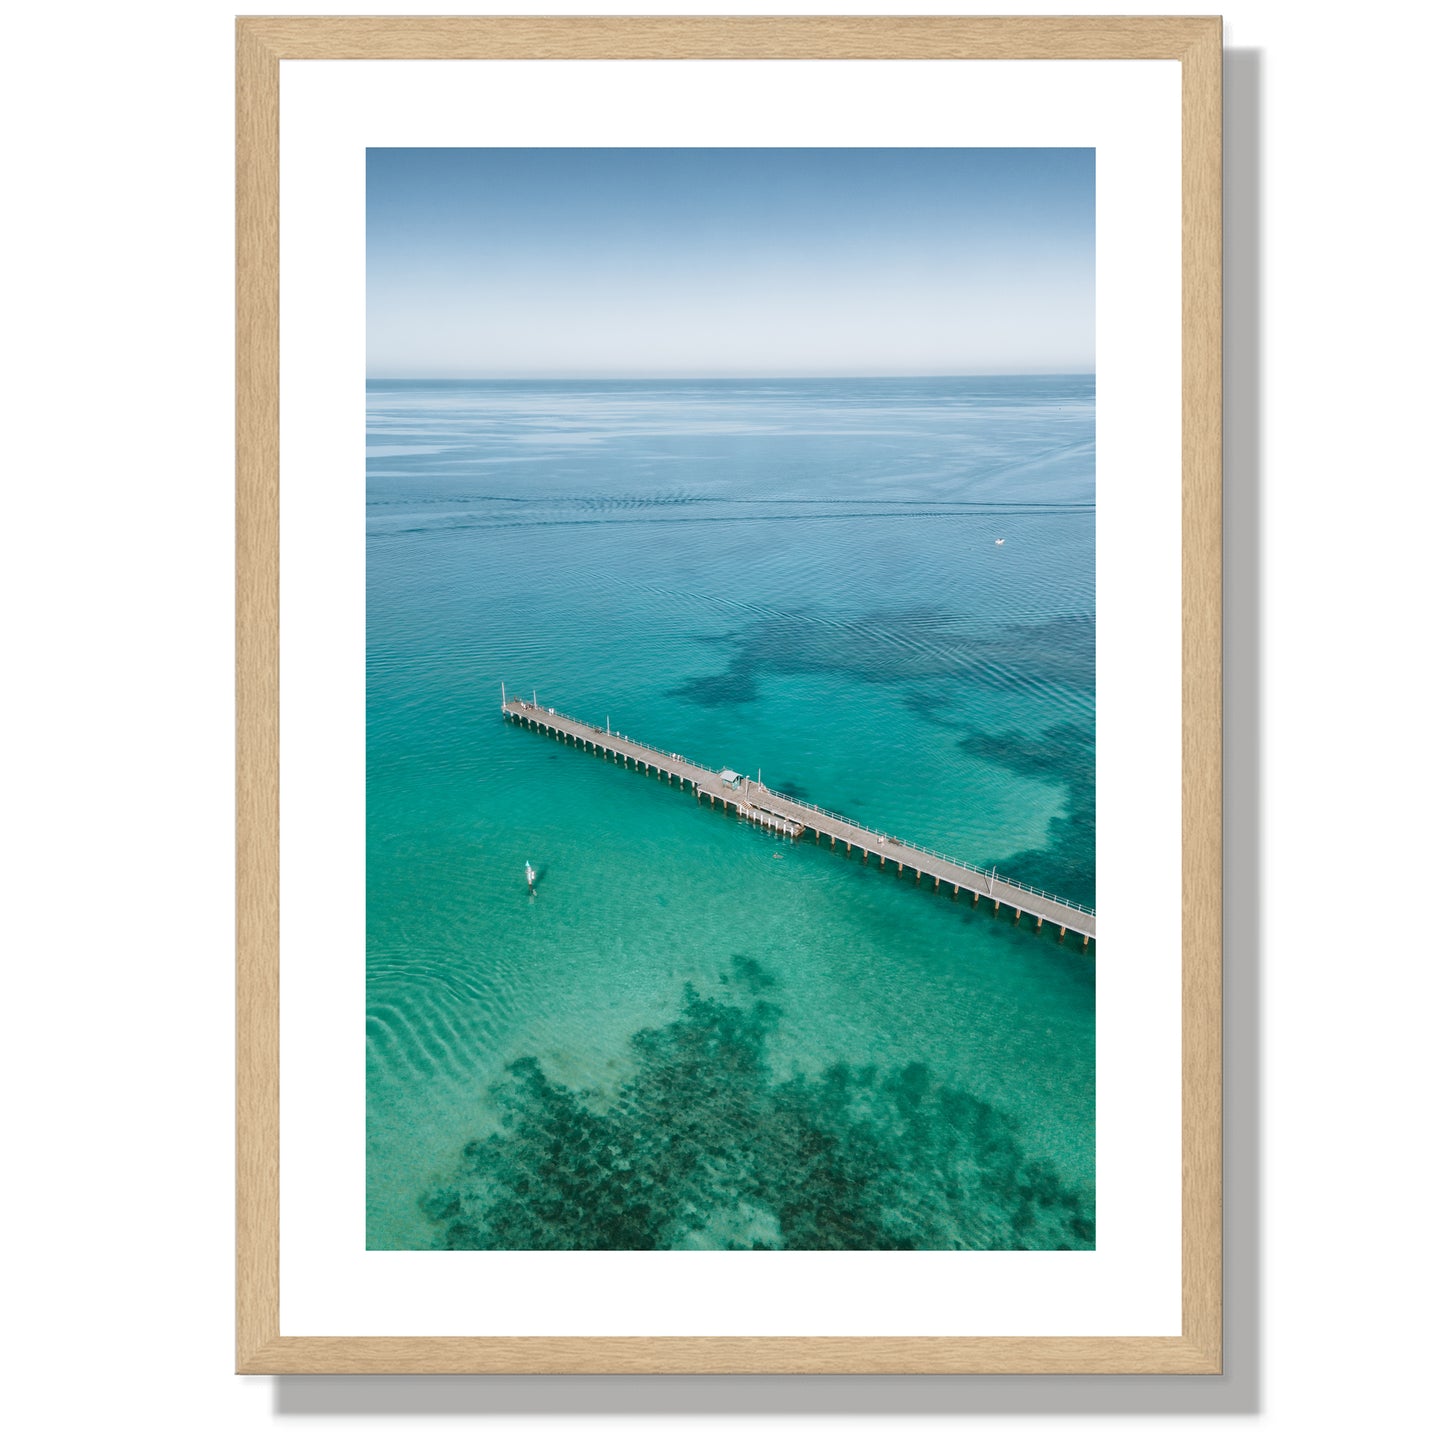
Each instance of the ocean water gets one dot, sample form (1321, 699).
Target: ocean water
(694, 1035)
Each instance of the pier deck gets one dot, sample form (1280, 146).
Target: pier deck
(794, 818)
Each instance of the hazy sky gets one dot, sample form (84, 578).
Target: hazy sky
(758, 262)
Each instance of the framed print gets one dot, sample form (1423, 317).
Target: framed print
(728, 549)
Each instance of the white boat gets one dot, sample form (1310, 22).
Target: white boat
(998, 541)
(531, 877)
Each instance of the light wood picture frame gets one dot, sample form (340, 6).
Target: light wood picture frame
(262, 44)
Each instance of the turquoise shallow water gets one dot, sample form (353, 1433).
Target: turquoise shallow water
(737, 1042)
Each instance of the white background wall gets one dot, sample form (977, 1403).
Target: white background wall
(116, 599)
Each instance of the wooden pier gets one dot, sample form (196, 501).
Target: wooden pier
(792, 818)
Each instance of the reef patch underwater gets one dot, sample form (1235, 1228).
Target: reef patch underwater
(702, 1148)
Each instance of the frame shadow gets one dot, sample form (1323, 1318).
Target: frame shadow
(1238, 1391)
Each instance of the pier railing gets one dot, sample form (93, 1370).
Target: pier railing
(621, 737)
(991, 874)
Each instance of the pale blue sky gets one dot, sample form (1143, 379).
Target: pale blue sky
(757, 262)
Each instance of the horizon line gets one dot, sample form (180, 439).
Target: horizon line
(736, 376)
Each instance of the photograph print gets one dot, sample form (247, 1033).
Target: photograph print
(730, 699)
